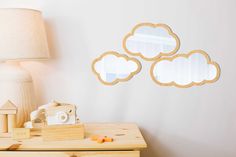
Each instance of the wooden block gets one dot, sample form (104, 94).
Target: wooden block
(63, 132)
(8, 105)
(8, 108)
(5, 135)
(35, 132)
(21, 133)
(11, 122)
(7, 111)
(3, 123)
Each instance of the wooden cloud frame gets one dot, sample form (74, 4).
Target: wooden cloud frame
(139, 67)
(186, 56)
(160, 54)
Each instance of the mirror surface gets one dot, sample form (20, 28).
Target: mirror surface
(112, 67)
(185, 70)
(151, 41)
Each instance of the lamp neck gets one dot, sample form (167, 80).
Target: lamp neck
(12, 71)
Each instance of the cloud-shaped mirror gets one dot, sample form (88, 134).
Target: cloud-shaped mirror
(151, 41)
(112, 67)
(185, 70)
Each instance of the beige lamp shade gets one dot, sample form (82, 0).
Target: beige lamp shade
(22, 35)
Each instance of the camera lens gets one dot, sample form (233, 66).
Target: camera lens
(62, 117)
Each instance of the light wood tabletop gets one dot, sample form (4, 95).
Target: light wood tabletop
(127, 136)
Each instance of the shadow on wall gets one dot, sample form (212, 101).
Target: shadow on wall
(176, 146)
(154, 147)
(51, 36)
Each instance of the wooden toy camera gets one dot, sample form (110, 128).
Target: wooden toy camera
(53, 113)
(56, 121)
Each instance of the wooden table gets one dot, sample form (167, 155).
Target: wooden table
(128, 142)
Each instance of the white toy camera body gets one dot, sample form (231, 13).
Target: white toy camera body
(62, 114)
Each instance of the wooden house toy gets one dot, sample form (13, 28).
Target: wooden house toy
(7, 117)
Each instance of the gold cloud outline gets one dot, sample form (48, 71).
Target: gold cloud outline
(164, 26)
(118, 55)
(186, 56)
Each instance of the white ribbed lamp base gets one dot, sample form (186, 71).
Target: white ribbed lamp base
(16, 85)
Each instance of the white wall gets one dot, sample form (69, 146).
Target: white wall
(198, 121)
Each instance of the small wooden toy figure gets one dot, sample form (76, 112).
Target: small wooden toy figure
(101, 139)
(7, 117)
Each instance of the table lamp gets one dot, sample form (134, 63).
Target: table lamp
(22, 38)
